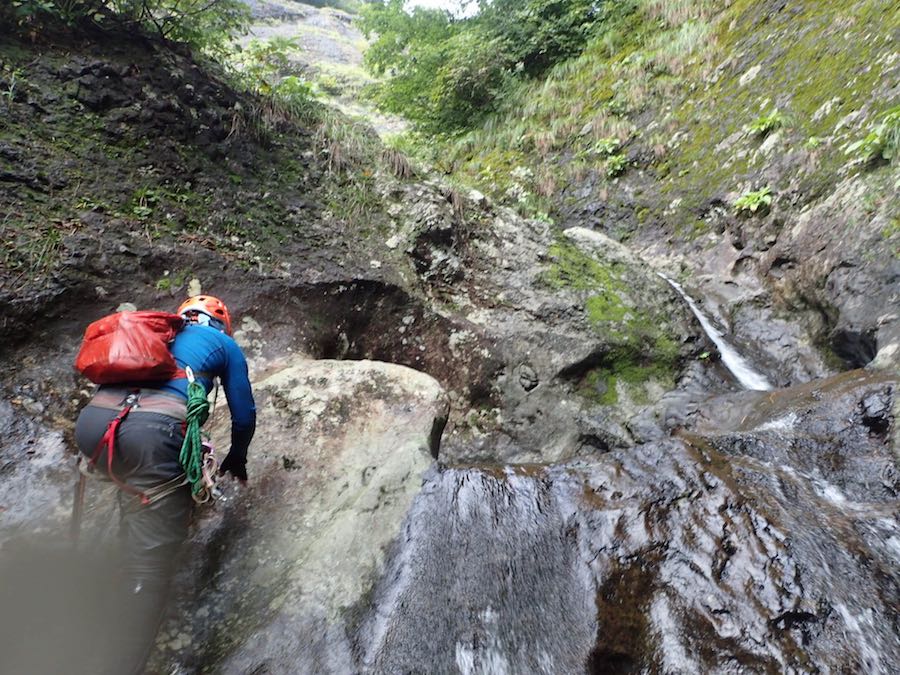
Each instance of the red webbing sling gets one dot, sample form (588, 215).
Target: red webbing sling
(108, 441)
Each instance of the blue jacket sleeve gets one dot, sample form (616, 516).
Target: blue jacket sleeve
(236, 382)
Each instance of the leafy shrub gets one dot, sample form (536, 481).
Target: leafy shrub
(207, 25)
(766, 124)
(471, 79)
(538, 33)
(607, 146)
(812, 143)
(753, 202)
(259, 68)
(329, 84)
(446, 74)
(616, 165)
(261, 64)
(69, 12)
(882, 142)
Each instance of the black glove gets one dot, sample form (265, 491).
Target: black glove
(235, 465)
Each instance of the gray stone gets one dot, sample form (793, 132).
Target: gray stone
(339, 454)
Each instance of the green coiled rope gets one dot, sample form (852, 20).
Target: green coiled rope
(191, 456)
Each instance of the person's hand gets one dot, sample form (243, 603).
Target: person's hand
(236, 466)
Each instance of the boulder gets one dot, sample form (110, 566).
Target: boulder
(279, 571)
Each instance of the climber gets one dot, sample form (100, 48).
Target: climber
(147, 445)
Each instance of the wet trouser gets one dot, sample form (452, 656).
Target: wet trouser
(147, 447)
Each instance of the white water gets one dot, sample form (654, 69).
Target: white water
(737, 364)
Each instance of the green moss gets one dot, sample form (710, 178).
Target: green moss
(572, 268)
(640, 348)
(627, 368)
(821, 62)
(604, 308)
(600, 387)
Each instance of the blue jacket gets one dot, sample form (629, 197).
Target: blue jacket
(211, 353)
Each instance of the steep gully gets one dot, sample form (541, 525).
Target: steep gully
(765, 539)
(762, 538)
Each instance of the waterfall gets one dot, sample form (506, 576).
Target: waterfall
(743, 372)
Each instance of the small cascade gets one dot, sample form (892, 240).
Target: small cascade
(743, 372)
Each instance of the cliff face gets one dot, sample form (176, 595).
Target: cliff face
(721, 139)
(133, 174)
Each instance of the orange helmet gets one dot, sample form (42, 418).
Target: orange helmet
(208, 305)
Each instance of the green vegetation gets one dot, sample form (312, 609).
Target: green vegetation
(207, 25)
(891, 232)
(447, 74)
(754, 201)
(882, 142)
(616, 165)
(263, 68)
(812, 143)
(172, 282)
(607, 146)
(351, 6)
(10, 84)
(572, 268)
(640, 349)
(766, 124)
(626, 368)
(673, 80)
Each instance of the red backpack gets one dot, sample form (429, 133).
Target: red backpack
(129, 347)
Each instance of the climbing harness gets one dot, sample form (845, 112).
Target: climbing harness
(197, 458)
(108, 442)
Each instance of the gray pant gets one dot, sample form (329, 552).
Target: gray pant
(147, 447)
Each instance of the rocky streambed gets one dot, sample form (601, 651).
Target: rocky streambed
(580, 520)
(766, 539)
(556, 472)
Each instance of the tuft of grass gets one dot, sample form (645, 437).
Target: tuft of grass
(397, 163)
(347, 145)
(679, 12)
(673, 52)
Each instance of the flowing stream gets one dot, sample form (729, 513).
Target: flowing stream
(743, 372)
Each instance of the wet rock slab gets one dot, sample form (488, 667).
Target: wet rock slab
(36, 476)
(674, 556)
